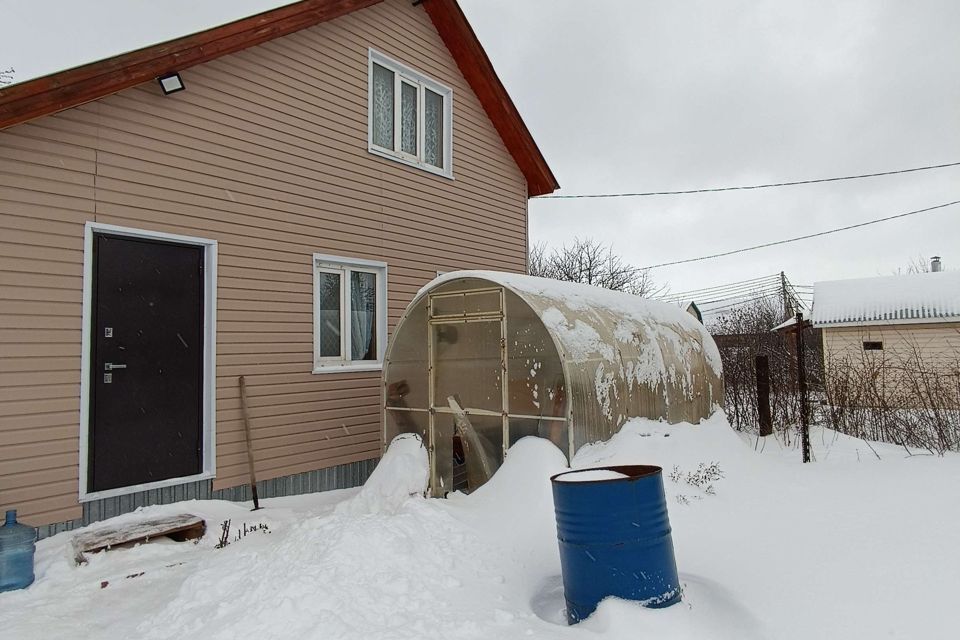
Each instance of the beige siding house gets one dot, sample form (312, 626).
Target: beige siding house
(272, 220)
(897, 331)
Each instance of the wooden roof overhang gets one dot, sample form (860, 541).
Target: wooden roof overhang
(72, 87)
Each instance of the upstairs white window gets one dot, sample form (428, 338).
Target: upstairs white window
(410, 116)
(349, 313)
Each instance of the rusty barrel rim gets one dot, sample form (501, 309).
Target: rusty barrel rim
(632, 472)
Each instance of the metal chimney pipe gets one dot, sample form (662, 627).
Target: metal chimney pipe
(935, 264)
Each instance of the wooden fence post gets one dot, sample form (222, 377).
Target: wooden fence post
(802, 388)
(762, 366)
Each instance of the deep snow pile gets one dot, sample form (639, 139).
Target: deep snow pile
(403, 472)
(850, 547)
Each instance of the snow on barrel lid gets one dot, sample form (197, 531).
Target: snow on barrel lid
(590, 475)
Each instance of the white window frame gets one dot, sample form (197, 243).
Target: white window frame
(342, 266)
(402, 73)
(209, 358)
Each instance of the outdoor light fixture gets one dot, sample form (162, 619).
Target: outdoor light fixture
(171, 83)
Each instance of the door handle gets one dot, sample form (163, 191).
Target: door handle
(109, 366)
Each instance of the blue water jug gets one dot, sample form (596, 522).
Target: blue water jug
(17, 545)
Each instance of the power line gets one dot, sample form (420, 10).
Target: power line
(720, 298)
(772, 288)
(731, 291)
(738, 300)
(704, 298)
(805, 237)
(746, 187)
(712, 293)
(743, 291)
(733, 305)
(746, 292)
(795, 295)
(754, 282)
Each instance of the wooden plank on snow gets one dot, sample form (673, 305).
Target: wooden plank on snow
(180, 528)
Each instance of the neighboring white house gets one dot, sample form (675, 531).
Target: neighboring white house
(901, 327)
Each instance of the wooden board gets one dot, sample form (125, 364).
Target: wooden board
(180, 528)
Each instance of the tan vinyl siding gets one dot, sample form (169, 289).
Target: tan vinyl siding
(935, 344)
(907, 350)
(266, 153)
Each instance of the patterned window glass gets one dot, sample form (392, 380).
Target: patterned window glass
(408, 118)
(329, 311)
(382, 107)
(433, 128)
(363, 309)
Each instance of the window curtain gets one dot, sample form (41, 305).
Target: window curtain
(329, 309)
(408, 118)
(382, 107)
(433, 128)
(363, 306)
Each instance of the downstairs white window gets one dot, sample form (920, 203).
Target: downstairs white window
(349, 313)
(410, 116)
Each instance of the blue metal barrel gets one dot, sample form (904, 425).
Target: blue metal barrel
(614, 539)
(17, 545)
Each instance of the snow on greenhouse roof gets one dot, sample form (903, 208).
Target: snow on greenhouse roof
(903, 299)
(577, 336)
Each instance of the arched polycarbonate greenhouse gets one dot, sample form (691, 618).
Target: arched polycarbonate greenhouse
(481, 359)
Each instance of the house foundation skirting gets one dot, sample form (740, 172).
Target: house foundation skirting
(342, 476)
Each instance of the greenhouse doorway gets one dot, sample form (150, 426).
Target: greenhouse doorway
(472, 368)
(468, 419)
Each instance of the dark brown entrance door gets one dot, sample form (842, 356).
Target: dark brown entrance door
(146, 377)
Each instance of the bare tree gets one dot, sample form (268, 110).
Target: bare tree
(589, 262)
(537, 264)
(6, 76)
(917, 264)
(645, 286)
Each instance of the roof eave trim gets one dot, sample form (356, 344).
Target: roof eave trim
(63, 90)
(465, 47)
(886, 323)
(73, 87)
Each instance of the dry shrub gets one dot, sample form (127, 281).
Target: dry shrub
(743, 333)
(907, 396)
(895, 396)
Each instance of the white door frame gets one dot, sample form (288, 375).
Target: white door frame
(209, 356)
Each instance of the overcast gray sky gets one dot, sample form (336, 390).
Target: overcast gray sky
(640, 96)
(633, 95)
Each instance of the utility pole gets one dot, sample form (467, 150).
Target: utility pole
(785, 295)
(802, 388)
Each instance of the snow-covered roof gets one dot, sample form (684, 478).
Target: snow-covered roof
(904, 299)
(786, 324)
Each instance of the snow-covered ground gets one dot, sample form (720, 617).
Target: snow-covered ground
(861, 544)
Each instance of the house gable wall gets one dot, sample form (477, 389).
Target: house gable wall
(936, 344)
(913, 357)
(266, 153)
